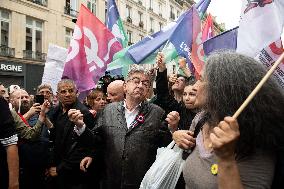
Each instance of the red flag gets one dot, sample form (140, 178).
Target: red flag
(91, 49)
(197, 53)
(208, 27)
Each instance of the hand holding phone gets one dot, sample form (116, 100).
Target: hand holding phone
(39, 99)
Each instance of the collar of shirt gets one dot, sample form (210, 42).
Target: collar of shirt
(131, 115)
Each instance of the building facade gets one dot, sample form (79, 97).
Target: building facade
(28, 26)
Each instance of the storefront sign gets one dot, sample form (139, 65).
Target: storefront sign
(10, 67)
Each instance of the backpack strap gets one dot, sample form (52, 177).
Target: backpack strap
(197, 129)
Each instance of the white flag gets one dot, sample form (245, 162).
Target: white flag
(261, 24)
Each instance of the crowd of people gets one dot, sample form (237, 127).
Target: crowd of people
(110, 140)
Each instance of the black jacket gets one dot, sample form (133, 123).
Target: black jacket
(168, 102)
(68, 148)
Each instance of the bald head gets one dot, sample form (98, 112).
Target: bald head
(115, 92)
(20, 95)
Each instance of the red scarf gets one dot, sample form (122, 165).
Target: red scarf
(24, 120)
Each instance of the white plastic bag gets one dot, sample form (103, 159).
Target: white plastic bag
(166, 170)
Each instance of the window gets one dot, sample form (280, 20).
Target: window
(40, 2)
(151, 4)
(68, 36)
(151, 24)
(91, 4)
(71, 8)
(178, 13)
(141, 24)
(140, 16)
(4, 27)
(141, 37)
(34, 35)
(73, 4)
(160, 9)
(160, 25)
(129, 34)
(128, 11)
(172, 14)
(106, 16)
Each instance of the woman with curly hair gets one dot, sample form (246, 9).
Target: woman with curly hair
(235, 153)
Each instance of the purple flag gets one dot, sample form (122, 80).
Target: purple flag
(226, 40)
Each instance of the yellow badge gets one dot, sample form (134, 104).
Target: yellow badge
(214, 169)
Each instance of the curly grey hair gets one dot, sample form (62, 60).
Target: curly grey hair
(138, 69)
(44, 86)
(230, 78)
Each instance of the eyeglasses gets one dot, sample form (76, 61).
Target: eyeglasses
(136, 81)
(70, 91)
(45, 92)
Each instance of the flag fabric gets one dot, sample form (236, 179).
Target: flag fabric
(208, 28)
(182, 36)
(92, 47)
(141, 50)
(269, 55)
(224, 41)
(144, 52)
(197, 53)
(261, 24)
(202, 6)
(114, 23)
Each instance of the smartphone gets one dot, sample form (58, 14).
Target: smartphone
(39, 99)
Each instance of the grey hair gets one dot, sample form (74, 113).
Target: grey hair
(44, 86)
(231, 77)
(138, 69)
(66, 81)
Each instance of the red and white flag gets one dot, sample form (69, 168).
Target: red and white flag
(261, 24)
(197, 53)
(91, 49)
(208, 28)
(269, 55)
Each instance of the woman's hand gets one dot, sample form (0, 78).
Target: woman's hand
(184, 139)
(224, 138)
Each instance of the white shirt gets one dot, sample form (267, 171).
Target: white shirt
(131, 115)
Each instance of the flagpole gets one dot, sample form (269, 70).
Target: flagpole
(258, 87)
(156, 67)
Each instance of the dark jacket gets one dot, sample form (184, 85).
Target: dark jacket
(70, 149)
(129, 153)
(7, 130)
(168, 102)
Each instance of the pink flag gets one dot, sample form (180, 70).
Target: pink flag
(208, 31)
(91, 49)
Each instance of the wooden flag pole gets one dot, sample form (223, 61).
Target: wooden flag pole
(258, 87)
